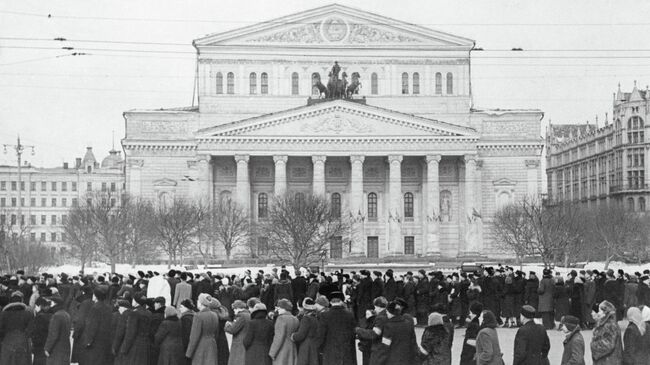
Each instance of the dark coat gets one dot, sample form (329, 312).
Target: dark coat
(390, 289)
(283, 290)
(377, 289)
(531, 345)
(238, 329)
(546, 290)
(78, 323)
(606, 345)
(223, 351)
(530, 292)
(364, 297)
(307, 339)
(157, 317)
(15, 324)
(435, 340)
(168, 340)
(403, 347)
(299, 287)
(468, 352)
(186, 329)
(119, 330)
(574, 349)
(136, 345)
(57, 343)
(336, 331)
(633, 352)
(202, 348)
(422, 296)
(560, 301)
(97, 339)
(409, 296)
(258, 339)
(39, 335)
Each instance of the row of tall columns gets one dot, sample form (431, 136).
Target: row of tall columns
(395, 202)
(356, 204)
(433, 206)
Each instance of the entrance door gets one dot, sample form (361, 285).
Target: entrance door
(336, 247)
(373, 247)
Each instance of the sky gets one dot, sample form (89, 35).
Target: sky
(138, 55)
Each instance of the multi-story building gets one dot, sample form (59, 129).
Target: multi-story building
(37, 205)
(407, 157)
(590, 164)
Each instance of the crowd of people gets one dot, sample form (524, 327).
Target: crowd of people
(306, 318)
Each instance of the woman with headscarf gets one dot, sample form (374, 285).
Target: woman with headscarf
(488, 351)
(187, 309)
(168, 339)
(606, 345)
(435, 342)
(307, 335)
(259, 337)
(223, 352)
(283, 351)
(633, 353)
(645, 316)
(202, 347)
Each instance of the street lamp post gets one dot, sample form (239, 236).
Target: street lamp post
(19, 148)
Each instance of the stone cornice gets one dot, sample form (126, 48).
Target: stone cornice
(159, 145)
(509, 146)
(334, 140)
(376, 61)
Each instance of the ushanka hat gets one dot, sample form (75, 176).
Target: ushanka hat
(308, 304)
(528, 311)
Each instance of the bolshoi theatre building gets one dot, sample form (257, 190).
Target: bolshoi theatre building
(373, 113)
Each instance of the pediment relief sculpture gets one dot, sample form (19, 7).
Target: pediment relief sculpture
(338, 124)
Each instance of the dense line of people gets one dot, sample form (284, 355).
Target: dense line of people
(316, 318)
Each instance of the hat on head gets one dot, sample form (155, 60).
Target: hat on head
(238, 304)
(285, 304)
(99, 294)
(394, 308)
(434, 319)
(323, 301)
(476, 308)
(259, 307)
(380, 302)
(123, 303)
(204, 299)
(336, 295)
(308, 304)
(528, 311)
(187, 303)
(170, 311)
(160, 300)
(607, 307)
(570, 322)
(140, 298)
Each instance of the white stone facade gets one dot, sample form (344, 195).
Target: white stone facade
(410, 140)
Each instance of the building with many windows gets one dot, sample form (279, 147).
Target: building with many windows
(406, 156)
(590, 164)
(36, 205)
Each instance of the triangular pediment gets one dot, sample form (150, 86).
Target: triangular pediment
(335, 26)
(504, 182)
(338, 119)
(164, 182)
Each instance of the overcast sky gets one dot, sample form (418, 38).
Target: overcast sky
(575, 54)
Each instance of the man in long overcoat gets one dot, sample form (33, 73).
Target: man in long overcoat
(546, 292)
(57, 345)
(364, 295)
(336, 333)
(531, 341)
(136, 345)
(97, 337)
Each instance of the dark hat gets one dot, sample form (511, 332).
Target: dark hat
(189, 304)
(573, 273)
(380, 302)
(238, 304)
(364, 272)
(528, 311)
(394, 308)
(140, 298)
(141, 273)
(160, 300)
(570, 322)
(531, 273)
(171, 273)
(115, 279)
(409, 273)
(547, 272)
(422, 271)
(376, 273)
(476, 308)
(336, 295)
(259, 307)
(124, 303)
(100, 294)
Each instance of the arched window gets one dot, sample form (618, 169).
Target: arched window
(315, 79)
(416, 83)
(336, 205)
(253, 83)
(408, 205)
(642, 204)
(374, 84)
(450, 83)
(372, 206)
(405, 83)
(630, 204)
(265, 83)
(300, 199)
(438, 83)
(225, 195)
(231, 83)
(295, 84)
(262, 206)
(219, 83)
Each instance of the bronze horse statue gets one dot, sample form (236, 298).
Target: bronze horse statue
(322, 89)
(354, 85)
(335, 87)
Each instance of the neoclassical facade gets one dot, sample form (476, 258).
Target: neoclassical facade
(408, 159)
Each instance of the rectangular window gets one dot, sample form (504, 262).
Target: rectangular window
(74, 186)
(64, 202)
(3, 219)
(43, 237)
(13, 219)
(32, 220)
(54, 202)
(22, 186)
(113, 187)
(43, 222)
(53, 219)
(53, 237)
(64, 186)
(89, 186)
(43, 186)
(14, 202)
(13, 186)
(75, 202)
(53, 185)
(336, 247)
(409, 245)
(43, 202)
(373, 247)
(3, 185)
(103, 186)
(32, 236)
(113, 202)
(262, 246)
(32, 186)
(64, 219)
(3, 202)
(22, 202)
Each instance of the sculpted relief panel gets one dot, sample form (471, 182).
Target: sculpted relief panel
(338, 124)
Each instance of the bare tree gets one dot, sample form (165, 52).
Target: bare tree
(17, 248)
(81, 234)
(176, 226)
(109, 219)
(513, 231)
(614, 230)
(139, 238)
(227, 225)
(300, 227)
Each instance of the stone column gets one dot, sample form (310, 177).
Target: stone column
(203, 178)
(280, 186)
(532, 169)
(432, 247)
(394, 208)
(356, 202)
(318, 179)
(243, 183)
(473, 218)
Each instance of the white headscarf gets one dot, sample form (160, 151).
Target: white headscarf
(645, 314)
(634, 315)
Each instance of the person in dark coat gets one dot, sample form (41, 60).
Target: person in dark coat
(83, 304)
(546, 294)
(187, 309)
(168, 339)
(39, 330)
(561, 304)
(574, 343)
(377, 285)
(223, 352)
(422, 298)
(57, 345)
(157, 316)
(435, 341)
(299, 288)
(259, 337)
(531, 341)
(364, 295)
(530, 291)
(399, 335)
(119, 329)
(409, 295)
(370, 336)
(336, 333)
(97, 338)
(576, 293)
(588, 299)
(136, 345)
(390, 286)
(283, 289)
(469, 341)
(634, 352)
(508, 307)
(307, 335)
(15, 324)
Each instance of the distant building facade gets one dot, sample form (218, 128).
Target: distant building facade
(407, 157)
(592, 165)
(38, 204)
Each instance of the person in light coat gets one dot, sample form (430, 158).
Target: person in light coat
(182, 291)
(606, 344)
(283, 351)
(488, 350)
(159, 287)
(238, 329)
(202, 347)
